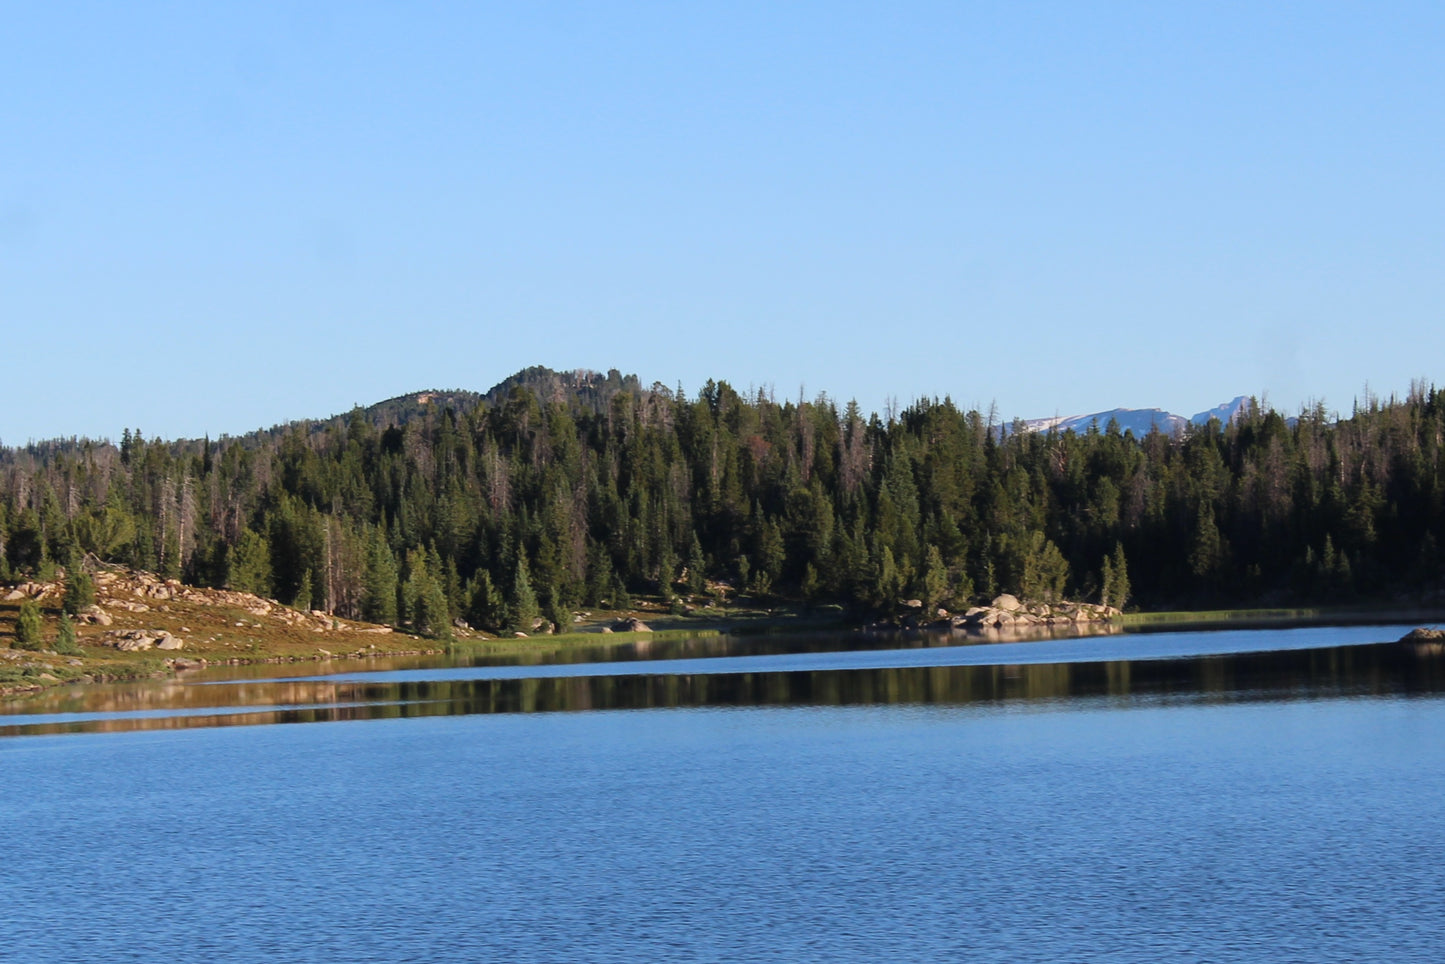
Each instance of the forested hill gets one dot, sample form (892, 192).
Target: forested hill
(558, 490)
(584, 390)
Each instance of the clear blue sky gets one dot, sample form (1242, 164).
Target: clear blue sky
(216, 217)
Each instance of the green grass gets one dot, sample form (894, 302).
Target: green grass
(1219, 616)
(1278, 618)
(504, 646)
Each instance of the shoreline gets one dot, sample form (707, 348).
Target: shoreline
(39, 671)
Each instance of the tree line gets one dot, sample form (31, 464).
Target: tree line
(562, 490)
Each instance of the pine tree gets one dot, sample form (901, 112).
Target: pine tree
(1120, 590)
(1206, 556)
(888, 584)
(486, 608)
(303, 593)
(557, 614)
(935, 580)
(28, 626)
(666, 572)
(426, 600)
(248, 566)
(65, 641)
(599, 576)
(79, 586)
(523, 604)
(810, 586)
(1045, 570)
(378, 601)
(696, 568)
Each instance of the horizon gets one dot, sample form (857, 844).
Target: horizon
(222, 218)
(749, 393)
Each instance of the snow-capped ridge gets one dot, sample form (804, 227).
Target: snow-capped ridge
(1236, 408)
(1141, 421)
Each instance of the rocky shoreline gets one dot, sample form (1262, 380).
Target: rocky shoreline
(1425, 641)
(1006, 614)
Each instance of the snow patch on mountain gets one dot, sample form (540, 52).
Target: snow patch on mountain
(1140, 421)
(1235, 408)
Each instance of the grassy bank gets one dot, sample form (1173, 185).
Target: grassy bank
(229, 629)
(1277, 618)
(220, 628)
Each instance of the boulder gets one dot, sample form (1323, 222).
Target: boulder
(132, 644)
(96, 615)
(1007, 603)
(135, 640)
(631, 625)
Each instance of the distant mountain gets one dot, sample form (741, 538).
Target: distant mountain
(1140, 421)
(1237, 407)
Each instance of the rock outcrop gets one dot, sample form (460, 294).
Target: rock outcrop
(1006, 603)
(134, 640)
(1007, 612)
(33, 590)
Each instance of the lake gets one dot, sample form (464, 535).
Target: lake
(1232, 796)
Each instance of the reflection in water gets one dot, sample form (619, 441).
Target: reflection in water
(1374, 669)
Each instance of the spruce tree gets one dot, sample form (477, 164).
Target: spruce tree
(666, 572)
(378, 601)
(426, 600)
(810, 586)
(1121, 587)
(79, 586)
(303, 593)
(696, 568)
(486, 608)
(558, 614)
(935, 580)
(65, 642)
(248, 566)
(523, 604)
(28, 626)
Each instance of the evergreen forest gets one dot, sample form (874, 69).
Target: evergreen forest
(556, 491)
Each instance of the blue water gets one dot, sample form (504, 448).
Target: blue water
(1274, 807)
(1088, 649)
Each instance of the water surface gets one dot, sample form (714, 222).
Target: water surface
(1238, 799)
